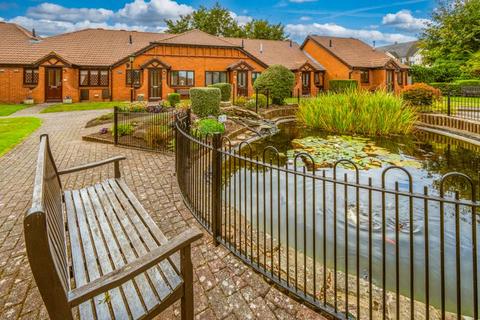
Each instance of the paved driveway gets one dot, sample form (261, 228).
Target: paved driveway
(225, 288)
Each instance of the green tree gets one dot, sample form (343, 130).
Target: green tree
(278, 81)
(453, 36)
(219, 21)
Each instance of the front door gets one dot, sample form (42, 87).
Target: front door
(306, 83)
(242, 83)
(390, 82)
(155, 84)
(53, 84)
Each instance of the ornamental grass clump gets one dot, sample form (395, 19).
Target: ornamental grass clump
(358, 112)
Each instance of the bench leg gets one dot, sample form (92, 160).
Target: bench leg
(187, 275)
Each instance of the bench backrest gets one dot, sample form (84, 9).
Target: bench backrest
(44, 230)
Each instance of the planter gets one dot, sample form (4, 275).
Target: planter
(67, 101)
(28, 101)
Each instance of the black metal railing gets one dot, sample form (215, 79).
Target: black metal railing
(351, 245)
(145, 130)
(464, 104)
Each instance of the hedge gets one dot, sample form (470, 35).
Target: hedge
(468, 83)
(420, 94)
(205, 101)
(342, 85)
(173, 99)
(278, 80)
(447, 88)
(225, 89)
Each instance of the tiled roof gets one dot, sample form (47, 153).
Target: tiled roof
(273, 52)
(353, 52)
(198, 38)
(401, 50)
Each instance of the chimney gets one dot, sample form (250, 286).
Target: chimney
(130, 40)
(330, 44)
(242, 43)
(373, 44)
(261, 47)
(33, 33)
(291, 44)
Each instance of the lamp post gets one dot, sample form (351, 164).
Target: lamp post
(132, 77)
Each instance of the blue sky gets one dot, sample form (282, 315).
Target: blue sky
(380, 21)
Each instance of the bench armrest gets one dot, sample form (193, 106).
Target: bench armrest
(116, 159)
(129, 271)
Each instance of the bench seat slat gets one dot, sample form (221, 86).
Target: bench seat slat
(79, 272)
(145, 232)
(122, 231)
(134, 236)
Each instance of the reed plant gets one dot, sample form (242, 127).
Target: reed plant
(358, 112)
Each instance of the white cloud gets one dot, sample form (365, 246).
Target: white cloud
(305, 18)
(50, 11)
(152, 12)
(241, 20)
(300, 31)
(404, 20)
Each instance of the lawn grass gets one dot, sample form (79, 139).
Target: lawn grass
(15, 130)
(80, 106)
(8, 109)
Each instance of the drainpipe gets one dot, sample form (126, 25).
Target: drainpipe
(350, 74)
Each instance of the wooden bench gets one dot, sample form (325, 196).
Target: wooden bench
(98, 249)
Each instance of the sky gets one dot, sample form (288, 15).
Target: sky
(379, 21)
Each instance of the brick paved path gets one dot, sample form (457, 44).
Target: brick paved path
(225, 288)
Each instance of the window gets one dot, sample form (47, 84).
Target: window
(137, 77)
(365, 76)
(30, 76)
(93, 78)
(318, 79)
(400, 78)
(182, 78)
(212, 77)
(255, 75)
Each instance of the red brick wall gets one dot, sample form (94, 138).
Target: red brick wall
(12, 89)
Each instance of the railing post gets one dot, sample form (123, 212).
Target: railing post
(298, 97)
(256, 100)
(448, 104)
(188, 121)
(115, 125)
(217, 187)
(268, 98)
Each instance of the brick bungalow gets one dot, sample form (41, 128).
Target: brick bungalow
(100, 65)
(349, 58)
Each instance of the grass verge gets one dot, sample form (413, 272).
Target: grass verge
(8, 109)
(15, 130)
(81, 106)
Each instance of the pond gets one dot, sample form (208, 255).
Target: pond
(312, 210)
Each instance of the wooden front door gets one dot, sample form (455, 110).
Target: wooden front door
(53, 84)
(155, 84)
(306, 83)
(390, 83)
(242, 83)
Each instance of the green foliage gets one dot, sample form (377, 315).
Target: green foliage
(205, 101)
(420, 94)
(447, 88)
(134, 107)
(209, 125)
(173, 99)
(241, 101)
(225, 89)
(219, 21)
(156, 135)
(472, 66)
(252, 103)
(468, 83)
(123, 129)
(342, 85)
(357, 111)
(278, 80)
(80, 106)
(453, 34)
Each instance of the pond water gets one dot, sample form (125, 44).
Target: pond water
(425, 156)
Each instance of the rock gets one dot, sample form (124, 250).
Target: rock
(139, 133)
(225, 104)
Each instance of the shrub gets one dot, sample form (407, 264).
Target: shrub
(173, 99)
(156, 135)
(123, 129)
(205, 101)
(342, 85)
(225, 89)
(209, 125)
(279, 80)
(241, 101)
(358, 111)
(447, 88)
(420, 94)
(134, 107)
(468, 83)
(262, 100)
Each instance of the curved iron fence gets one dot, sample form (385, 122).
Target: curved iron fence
(350, 245)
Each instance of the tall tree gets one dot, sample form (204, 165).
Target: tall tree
(453, 36)
(219, 21)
